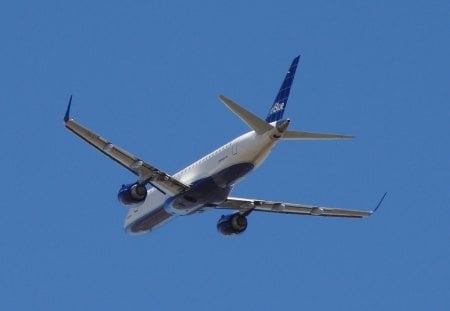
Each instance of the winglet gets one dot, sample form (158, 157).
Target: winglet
(67, 115)
(379, 203)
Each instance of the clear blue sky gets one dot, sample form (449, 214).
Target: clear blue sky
(146, 75)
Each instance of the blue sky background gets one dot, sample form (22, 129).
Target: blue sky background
(146, 75)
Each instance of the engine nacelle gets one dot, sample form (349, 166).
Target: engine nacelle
(232, 224)
(132, 194)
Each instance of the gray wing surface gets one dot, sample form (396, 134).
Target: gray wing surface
(247, 205)
(145, 171)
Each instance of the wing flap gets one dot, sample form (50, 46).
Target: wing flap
(247, 205)
(146, 172)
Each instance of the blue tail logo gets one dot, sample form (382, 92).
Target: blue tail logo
(277, 110)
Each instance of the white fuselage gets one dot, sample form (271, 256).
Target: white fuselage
(249, 148)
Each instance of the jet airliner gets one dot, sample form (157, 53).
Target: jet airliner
(157, 197)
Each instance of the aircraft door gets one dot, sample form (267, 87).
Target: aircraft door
(234, 149)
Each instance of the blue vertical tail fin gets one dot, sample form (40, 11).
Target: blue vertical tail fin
(277, 109)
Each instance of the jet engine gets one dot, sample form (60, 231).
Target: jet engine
(132, 193)
(232, 224)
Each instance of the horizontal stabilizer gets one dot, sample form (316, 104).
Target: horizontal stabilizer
(254, 122)
(307, 135)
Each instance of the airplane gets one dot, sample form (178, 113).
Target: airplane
(157, 197)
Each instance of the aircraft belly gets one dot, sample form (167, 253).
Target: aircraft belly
(210, 190)
(203, 192)
(150, 221)
(148, 215)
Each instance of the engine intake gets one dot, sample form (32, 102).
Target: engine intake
(232, 224)
(132, 194)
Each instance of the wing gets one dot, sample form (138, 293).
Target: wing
(248, 205)
(145, 171)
